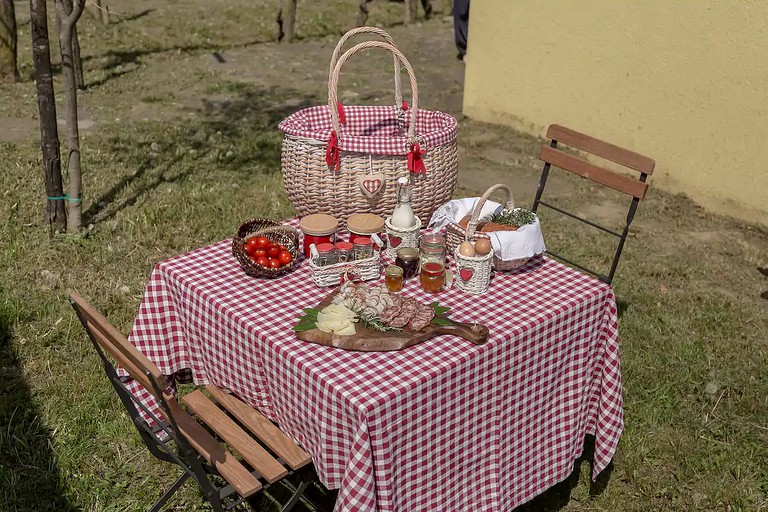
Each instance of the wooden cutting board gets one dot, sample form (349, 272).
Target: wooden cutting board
(368, 340)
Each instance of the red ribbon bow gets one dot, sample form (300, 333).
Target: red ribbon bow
(333, 153)
(415, 163)
(342, 115)
(404, 106)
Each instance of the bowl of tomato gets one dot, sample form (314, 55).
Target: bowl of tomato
(265, 248)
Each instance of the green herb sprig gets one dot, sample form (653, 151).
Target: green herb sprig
(374, 322)
(516, 217)
(308, 321)
(440, 312)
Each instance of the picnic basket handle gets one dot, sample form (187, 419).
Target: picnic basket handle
(384, 35)
(333, 83)
(474, 218)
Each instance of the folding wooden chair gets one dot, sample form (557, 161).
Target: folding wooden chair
(202, 457)
(635, 188)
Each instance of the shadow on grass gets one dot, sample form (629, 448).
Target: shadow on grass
(558, 496)
(29, 474)
(173, 151)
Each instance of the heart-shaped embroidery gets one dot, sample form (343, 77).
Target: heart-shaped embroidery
(466, 274)
(394, 241)
(371, 185)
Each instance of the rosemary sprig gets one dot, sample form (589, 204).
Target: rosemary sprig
(374, 323)
(516, 217)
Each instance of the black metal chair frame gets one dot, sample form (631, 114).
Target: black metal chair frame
(193, 465)
(621, 236)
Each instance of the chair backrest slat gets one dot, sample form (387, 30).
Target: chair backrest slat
(614, 180)
(113, 342)
(601, 149)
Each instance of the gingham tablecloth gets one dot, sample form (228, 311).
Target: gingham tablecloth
(442, 426)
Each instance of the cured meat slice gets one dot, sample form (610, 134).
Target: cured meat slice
(422, 318)
(408, 309)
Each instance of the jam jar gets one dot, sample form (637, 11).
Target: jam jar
(408, 259)
(318, 228)
(326, 255)
(432, 277)
(345, 251)
(393, 277)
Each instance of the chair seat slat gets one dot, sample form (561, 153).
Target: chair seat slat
(262, 428)
(237, 438)
(212, 451)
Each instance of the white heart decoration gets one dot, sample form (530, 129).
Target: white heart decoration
(372, 184)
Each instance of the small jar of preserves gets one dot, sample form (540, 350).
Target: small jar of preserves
(432, 249)
(363, 248)
(393, 277)
(408, 259)
(345, 251)
(318, 229)
(326, 255)
(432, 277)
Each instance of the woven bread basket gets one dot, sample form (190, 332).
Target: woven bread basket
(456, 234)
(277, 233)
(332, 275)
(350, 163)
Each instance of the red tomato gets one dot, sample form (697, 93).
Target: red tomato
(250, 245)
(282, 247)
(259, 252)
(274, 263)
(285, 258)
(262, 242)
(273, 251)
(263, 261)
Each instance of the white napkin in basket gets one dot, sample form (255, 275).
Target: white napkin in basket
(526, 242)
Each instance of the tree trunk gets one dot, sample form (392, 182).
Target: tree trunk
(76, 60)
(55, 212)
(410, 11)
(287, 20)
(8, 37)
(68, 22)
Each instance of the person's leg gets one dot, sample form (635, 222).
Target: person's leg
(461, 25)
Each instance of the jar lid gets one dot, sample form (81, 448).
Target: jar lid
(433, 269)
(319, 224)
(407, 253)
(432, 240)
(362, 240)
(394, 270)
(324, 247)
(365, 223)
(344, 246)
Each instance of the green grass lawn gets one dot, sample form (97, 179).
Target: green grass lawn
(182, 153)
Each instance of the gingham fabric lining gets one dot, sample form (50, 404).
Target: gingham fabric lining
(376, 130)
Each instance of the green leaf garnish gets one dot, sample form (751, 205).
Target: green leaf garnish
(439, 320)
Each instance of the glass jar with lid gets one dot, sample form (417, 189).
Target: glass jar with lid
(326, 255)
(393, 277)
(408, 259)
(365, 225)
(363, 248)
(318, 228)
(432, 277)
(345, 251)
(432, 249)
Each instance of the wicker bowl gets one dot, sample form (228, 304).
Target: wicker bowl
(277, 233)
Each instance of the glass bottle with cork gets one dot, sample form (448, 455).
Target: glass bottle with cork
(402, 215)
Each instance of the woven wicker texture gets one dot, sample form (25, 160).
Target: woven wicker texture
(331, 275)
(473, 273)
(374, 143)
(401, 237)
(277, 233)
(455, 234)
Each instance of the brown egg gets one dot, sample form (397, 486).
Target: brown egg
(483, 246)
(466, 249)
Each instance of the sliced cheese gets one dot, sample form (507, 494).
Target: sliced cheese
(349, 330)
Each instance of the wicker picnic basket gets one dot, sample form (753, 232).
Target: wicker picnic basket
(456, 234)
(344, 160)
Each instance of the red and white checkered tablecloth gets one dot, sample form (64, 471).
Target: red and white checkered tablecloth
(442, 426)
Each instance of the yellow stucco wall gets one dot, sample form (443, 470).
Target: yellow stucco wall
(683, 81)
